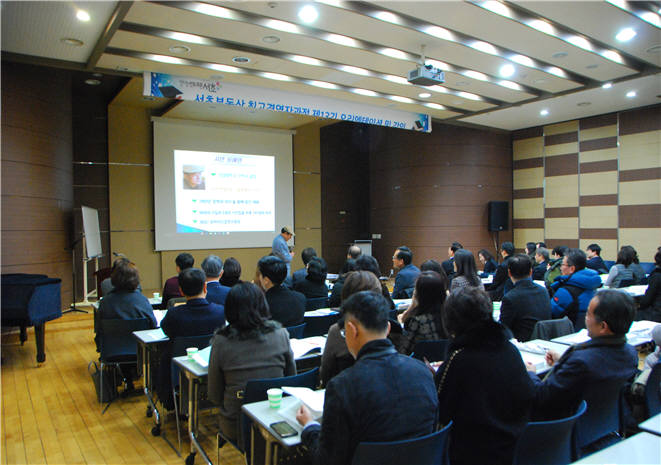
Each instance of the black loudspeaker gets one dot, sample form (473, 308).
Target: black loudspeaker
(498, 215)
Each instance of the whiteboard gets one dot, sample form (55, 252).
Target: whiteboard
(91, 231)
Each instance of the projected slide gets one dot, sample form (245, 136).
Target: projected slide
(220, 193)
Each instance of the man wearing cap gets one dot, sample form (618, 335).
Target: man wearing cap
(280, 248)
(193, 178)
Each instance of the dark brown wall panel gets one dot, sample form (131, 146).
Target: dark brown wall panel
(645, 174)
(561, 165)
(640, 120)
(598, 144)
(598, 166)
(598, 121)
(640, 216)
(564, 138)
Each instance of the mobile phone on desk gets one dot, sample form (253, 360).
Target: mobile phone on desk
(283, 429)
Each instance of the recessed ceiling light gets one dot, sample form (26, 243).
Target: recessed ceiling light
(225, 69)
(322, 84)
(424, 95)
(523, 60)
(440, 89)
(476, 75)
(651, 18)
(365, 92)
(580, 42)
(435, 106)
(608, 85)
(542, 26)
(612, 55)
(308, 14)
(180, 49)
(341, 40)
(497, 7)
(510, 85)
(213, 10)
(306, 60)
(92, 82)
(167, 59)
(270, 39)
(83, 15)
(387, 17)
(556, 71)
(583, 104)
(439, 32)
(558, 55)
(283, 26)
(484, 47)
(241, 60)
(469, 96)
(393, 53)
(631, 94)
(397, 79)
(544, 112)
(355, 70)
(72, 42)
(625, 34)
(507, 70)
(276, 76)
(399, 98)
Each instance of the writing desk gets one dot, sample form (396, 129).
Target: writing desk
(652, 425)
(642, 448)
(150, 342)
(640, 333)
(535, 352)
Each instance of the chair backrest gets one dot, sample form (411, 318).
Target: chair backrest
(603, 413)
(425, 450)
(116, 340)
(318, 325)
(101, 274)
(653, 391)
(179, 346)
(609, 263)
(547, 442)
(295, 332)
(550, 329)
(648, 267)
(174, 301)
(316, 303)
(434, 351)
(625, 283)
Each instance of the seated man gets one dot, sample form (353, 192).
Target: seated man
(574, 288)
(213, 269)
(448, 265)
(605, 357)
(171, 289)
(595, 262)
(373, 400)
(354, 252)
(407, 274)
(299, 275)
(526, 303)
(501, 282)
(287, 306)
(542, 260)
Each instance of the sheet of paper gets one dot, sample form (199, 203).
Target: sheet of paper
(157, 334)
(314, 400)
(159, 315)
(302, 347)
(202, 357)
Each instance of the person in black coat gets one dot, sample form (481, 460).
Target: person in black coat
(542, 260)
(526, 303)
(483, 386)
(490, 263)
(336, 294)
(287, 307)
(448, 265)
(650, 303)
(595, 262)
(501, 279)
(313, 285)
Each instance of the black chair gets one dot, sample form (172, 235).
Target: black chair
(550, 329)
(255, 391)
(179, 346)
(318, 325)
(174, 301)
(433, 351)
(296, 332)
(547, 442)
(316, 303)
(625, 283)
(425, 450)
(117, 346)
(653, 391)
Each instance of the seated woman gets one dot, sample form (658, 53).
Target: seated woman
(490, 263)
(231, 272)
(251, 346)
(422, 321)
(336, 356)
(650, 303)
(622, 269)
(636, 268)
(314, 284)
(483, 386)
(125, 301)
(464, 264)
(369, 263)
(336, 294)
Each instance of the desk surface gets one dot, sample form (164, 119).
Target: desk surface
(190, 366)
(639, 333)
(150, 336)
(652, 425)
(535, 352)
(264, 416)
(643, 448)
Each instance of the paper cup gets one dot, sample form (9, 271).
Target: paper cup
(275, 397)
(157, 295)
(190, 351)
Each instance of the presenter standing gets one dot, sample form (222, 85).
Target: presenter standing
(280, 248)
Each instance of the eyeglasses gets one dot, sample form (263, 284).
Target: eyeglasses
(343, 333)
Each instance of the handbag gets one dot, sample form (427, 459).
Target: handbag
(108, 391)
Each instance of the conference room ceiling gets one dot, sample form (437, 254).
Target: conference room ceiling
(507, 65)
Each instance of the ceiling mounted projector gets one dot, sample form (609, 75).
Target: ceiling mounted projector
(426, 76)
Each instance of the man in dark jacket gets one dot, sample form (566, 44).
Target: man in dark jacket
(595, 262)
(501, 279)
(604, 359)
(286, 306)
(448, 265)
(407, 274)
(213, 269)
(650, 303)
(542, 260)
(372, 401)
(526, 303)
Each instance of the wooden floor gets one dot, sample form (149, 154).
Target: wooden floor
(50, 414)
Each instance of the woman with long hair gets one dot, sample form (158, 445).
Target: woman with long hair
(464, 264)
(490, 263)
(622, 269)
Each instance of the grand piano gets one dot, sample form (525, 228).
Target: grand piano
(30, 300)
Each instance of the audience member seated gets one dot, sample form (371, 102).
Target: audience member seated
(593, 251)
(251, 346)
(231, 272)
(406, 274)
(606, 356)
(526, 303)
(622, 269)
(369, 263)
(125, 301)
(371, 401)
(336, 356)
(313, 285)
(554, 269)
(171, 289)
(541, 263)
(106, 284)
(638, 271)
(650, 303)
(433, 265)
(422, 320)
(501, 279)
(336, 294)
(287, 307)
(213, 269)
(573, 290)
(466, 272)
(490, 263)
(531, 247)
(483, 387)
(448, 265)
(541, 244)
(299, 275)
(354, 252)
